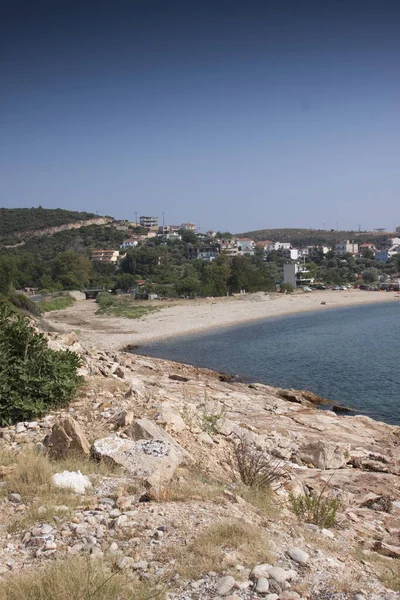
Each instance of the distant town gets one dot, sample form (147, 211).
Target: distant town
(211, 244)
(54, 250)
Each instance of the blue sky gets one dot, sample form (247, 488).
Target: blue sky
(233, 115)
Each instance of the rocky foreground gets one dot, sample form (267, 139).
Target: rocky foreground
(142, 474)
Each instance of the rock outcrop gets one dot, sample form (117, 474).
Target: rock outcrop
(172, 438)
(67, 440)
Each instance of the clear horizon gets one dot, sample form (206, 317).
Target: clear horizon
(232, 115)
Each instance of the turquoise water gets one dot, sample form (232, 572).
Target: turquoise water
(350, 356)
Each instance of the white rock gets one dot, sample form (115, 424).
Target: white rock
(278, 574)
(260, 571)
(124, 562)
(299, 555)
(205, 438)
(73, 480)
(271, 597)
(262, 586)
(225, 584)
(327, 533)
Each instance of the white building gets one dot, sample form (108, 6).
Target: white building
(296, 274)
(173, 235)
(188, 226)
(245, 246)
(346, 248)
(129, 244)
(208, 255)
(278, 246)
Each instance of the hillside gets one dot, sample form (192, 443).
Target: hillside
(308, 237)
(16, 224)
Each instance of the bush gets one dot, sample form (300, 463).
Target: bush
(56, 303)
(287, 288)
(315, 508)
(24, 303)
(33, 378)
(256, 469)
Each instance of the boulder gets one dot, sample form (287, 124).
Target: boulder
(68, 440)
(152, 461)
(387, 549)
(172, 419)
(325, 455)
(144, 429)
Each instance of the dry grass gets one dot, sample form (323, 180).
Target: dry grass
(192, 484)
(386, 569)
(97, 385)
(208, 550)
(31, 479)
(75, 579)
(263, 500)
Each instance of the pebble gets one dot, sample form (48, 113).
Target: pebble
(289, 596)
(141, 565)
(120, 521)
(225, 584)
(261, 571)
(124, 562)
(271, 597)
(262, 586)
(13, 497)
(299, 555)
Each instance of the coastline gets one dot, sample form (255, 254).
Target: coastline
(195, 316)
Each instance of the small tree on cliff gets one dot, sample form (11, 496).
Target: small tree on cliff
(33, 378)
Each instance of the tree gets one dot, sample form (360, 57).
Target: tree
(71, 270)
(8, 272)
(370, 275)
(125, 282)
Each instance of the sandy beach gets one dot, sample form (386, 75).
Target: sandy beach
(192, 316)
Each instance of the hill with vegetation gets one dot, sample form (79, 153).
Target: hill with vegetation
(309, 237)
(15, 222)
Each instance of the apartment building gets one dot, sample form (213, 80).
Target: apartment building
(149, 222)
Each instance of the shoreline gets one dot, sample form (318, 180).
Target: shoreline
(197, 316)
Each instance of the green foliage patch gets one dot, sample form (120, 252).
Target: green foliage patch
(315, 508)
(57, 303)
(122, 306)
(23, 303)
(33, 378)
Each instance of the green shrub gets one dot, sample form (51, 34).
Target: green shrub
(287, 288)
(105, 300)
(315, 508)
(24, 303)
(56, 303)
(33, 378)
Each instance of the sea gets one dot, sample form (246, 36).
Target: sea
(350, 356)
